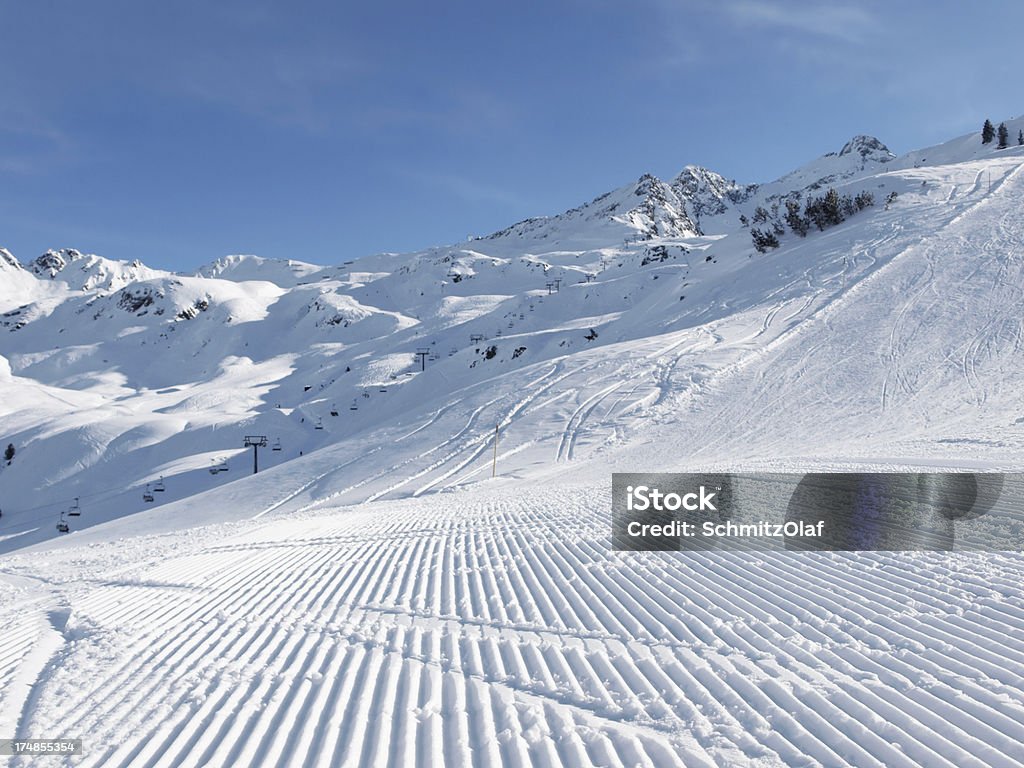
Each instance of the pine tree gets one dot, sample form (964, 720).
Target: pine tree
(814, 211)
(1004, 136)
(763, 240)
(798, 223)
(833, 207)
(988, 132)
(863, 200)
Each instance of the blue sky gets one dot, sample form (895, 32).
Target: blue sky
(182, 131)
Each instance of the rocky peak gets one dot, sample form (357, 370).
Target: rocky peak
(53, 262)
(708, 193)
(868, 147)
(7, 260)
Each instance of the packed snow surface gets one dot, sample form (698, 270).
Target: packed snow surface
(374, 597)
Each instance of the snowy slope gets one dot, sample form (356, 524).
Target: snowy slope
(88, 272)
(380, 599)
(248, 267)
(497, 629)
(127, 374)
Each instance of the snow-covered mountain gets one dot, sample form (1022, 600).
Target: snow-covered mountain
(648, 209)
(373, 596)
(86, 272)
(116, 374)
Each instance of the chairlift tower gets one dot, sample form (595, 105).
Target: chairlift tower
(422, 353)
(255, 442)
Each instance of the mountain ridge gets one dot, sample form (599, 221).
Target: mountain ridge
(123, 374)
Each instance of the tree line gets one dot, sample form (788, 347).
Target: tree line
(822, 212)
(989, 132)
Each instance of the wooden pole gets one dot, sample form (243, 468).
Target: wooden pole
(494, 464)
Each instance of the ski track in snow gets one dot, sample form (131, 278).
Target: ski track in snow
(500, 630)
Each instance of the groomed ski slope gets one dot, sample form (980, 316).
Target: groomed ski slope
(497, 629)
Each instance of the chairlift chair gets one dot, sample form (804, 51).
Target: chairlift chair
(319, 423)
(277, 445)
(353, 407)
(223, 466)
(62, 526)
(334, 410)
(159, 487)
(74, 510)
(147, 496)
(382, 388)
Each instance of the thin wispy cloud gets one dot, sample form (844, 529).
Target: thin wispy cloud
(467, 189)
(289, 86)
(683, 26)
(848, 23)
(31, 143)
